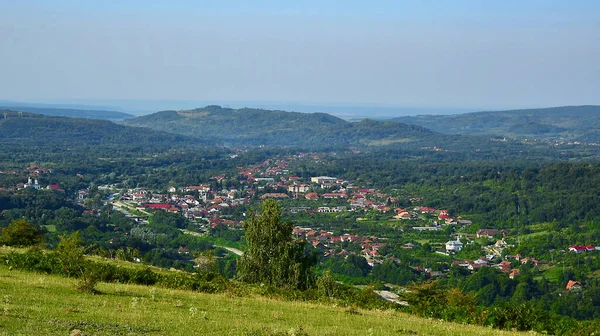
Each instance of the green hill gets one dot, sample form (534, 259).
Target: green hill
(579, 123)
(28, 129)
(320, 131)
(279, 128)
(39, 304)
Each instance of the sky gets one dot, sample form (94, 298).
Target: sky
(411, 54)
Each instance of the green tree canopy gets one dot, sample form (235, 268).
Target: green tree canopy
(272, 256)
(20, 233)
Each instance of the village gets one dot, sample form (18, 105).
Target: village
(210, 205)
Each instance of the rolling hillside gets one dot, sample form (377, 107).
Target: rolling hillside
(39, 304)
(28, 129)
(577, 123)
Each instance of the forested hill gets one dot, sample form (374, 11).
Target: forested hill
(28, 129)
(72, 113)
(577, 123)
(249, 126)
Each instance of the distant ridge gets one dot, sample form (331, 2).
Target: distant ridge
(249, 126)
(577, 123)
(71, 113)
(29, 129)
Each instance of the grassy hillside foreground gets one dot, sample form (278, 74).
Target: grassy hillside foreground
(38, 304)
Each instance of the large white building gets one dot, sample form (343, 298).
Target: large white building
(32, 184)
(323, 179)
(454, 246)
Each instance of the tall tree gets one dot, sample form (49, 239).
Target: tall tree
(273, 257)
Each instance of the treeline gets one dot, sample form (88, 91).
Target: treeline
(497, 194)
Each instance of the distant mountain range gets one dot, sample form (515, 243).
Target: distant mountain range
(214, 125)
(577, 123)
(70, 112)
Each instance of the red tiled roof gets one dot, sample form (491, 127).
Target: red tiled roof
(157, 206)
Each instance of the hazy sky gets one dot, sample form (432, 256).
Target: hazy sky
(484, 54)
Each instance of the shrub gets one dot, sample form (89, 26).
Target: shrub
(88, 280)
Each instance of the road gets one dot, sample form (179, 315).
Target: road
(230, 249)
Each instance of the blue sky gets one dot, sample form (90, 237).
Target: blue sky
(446, 54)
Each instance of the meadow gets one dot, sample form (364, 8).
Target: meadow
(40, 304)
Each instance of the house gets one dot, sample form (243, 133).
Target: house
(573, 285)
(335, 195)
(475, 266)
(533, 261)
(504, 266)
(313, 196)
(444, 217)
(139, 197)
(264, 179)
(481, 261)
(82, 194)
(577, 249)
(461, 263)
(372, 253)
(298, 188)
(274, 195)
(427, 228)
(489, 233)
(501, 243)
(324, 209)
(514, 273)
(454, 246)
(200, 188)
(343, 253)
(161, 206)
(425, 210)
(402, 215)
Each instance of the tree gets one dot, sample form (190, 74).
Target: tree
(272, 256)
(20, 233)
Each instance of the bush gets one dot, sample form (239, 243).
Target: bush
(520, 317)
(326, 285)
(88, 280)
